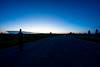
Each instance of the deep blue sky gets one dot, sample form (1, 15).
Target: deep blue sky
(50, 15)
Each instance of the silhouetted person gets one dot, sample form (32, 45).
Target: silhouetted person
(20, 40)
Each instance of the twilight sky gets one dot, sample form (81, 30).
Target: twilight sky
(43, 16)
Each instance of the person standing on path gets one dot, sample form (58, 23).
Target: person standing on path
(20, 40)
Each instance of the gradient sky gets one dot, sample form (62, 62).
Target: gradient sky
(50, 15)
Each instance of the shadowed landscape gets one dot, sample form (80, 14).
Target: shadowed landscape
(49, 33)
(50, 50)
(9, 40)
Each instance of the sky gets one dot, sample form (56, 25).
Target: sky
(58, 16)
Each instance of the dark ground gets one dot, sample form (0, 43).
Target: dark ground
(56, 51)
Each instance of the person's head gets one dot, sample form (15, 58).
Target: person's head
(20, 30)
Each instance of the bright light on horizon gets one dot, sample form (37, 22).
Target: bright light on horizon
(41, 24)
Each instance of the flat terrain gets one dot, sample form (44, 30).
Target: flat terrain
(57, 51)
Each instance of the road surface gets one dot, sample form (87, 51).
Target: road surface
(58, 51)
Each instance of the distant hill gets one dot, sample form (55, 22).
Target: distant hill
(16, 32)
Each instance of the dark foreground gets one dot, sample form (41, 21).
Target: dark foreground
(57, 51)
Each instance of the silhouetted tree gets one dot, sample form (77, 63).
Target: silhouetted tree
(50, 32)
(70, 33)
(2, 36)
(89, 32)
(96, 32)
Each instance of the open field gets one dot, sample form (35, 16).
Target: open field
(92, 37)
(8, 40)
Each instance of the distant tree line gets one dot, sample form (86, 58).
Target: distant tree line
(96, 32)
